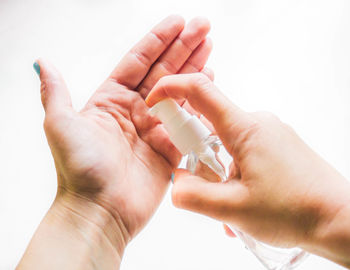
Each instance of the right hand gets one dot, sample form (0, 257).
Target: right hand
(279, 191)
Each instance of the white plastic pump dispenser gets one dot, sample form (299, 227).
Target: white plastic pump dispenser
(194, 140)
(187, 133)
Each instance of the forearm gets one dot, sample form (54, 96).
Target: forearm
(75, 234)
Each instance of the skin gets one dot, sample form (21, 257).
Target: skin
(113, 163)
(113, 160)
(278, 190)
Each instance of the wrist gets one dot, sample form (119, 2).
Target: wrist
(331, 236)
(76, 233)
(83, 233)
(91, 220)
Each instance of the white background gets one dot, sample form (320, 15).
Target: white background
(288, 57)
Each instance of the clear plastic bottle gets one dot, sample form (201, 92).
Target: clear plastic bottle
(195, 142)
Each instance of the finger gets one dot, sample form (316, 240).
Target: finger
(54, 93)
(196, 62)
(207, 72)
(158, 139)
(176, 55)
(228, 120)
(218, 200)
(136, 63)
(184, 103)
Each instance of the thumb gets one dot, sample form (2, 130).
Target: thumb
(219, 200)
(54, 93)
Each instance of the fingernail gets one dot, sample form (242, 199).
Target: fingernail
(36, 68)
(172, 178)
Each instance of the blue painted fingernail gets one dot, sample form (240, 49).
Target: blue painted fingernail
(36, 68)
(172, 178)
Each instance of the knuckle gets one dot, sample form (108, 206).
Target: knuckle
(180, 196)
(159, 36)
(209, 73)
(266, 116)
(186, 45)
(248, 138)
(288, 128)
(199, 79)
(169, 66)
(269, 120)
(141, 57)
(200, 82)
(176, 199)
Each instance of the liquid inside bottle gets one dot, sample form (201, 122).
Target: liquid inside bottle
(207, 158)
(272, 258)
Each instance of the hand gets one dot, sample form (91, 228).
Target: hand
(279, 190)
(112, 154)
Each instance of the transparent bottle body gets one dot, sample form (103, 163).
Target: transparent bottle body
(272, 258)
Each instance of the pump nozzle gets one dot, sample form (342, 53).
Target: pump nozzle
(186, 131)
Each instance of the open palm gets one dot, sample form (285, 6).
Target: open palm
(112, 152)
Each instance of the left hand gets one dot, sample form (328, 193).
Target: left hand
(112, 152)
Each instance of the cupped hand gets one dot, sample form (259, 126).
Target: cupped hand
(278, 190)
(112, 152)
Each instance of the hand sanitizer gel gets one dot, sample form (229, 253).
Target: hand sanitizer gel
(194, 141)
